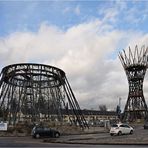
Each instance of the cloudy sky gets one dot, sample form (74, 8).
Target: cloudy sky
(83, 38)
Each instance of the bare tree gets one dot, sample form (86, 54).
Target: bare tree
(102, 107)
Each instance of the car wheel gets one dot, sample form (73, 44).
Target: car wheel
(57, 135)
(37, 136)
(119, 133)
(111, 134)
(131, 132)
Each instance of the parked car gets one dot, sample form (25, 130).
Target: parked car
(145, 125)
(119, 129)
(38, 132)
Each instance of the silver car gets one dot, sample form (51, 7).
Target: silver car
(119, 129)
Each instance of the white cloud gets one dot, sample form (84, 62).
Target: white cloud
(77, 10)
(82, 52)
(66, 10)
(122, 12)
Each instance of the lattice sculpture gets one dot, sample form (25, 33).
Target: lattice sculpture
(135, 65)
(36, 92)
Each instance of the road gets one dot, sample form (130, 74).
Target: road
(140, 136)
(84, 140)
(29, 142)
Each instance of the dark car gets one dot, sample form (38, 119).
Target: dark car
(38, 132)
(146, 125)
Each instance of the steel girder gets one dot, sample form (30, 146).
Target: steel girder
(37, 92)
(135, 65)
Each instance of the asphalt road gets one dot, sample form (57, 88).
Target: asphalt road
(29, 142)
(80, 141)
(140, 136)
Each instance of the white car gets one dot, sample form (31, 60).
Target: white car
(119, 129)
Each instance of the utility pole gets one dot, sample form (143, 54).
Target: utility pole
(118, 109)
(120, 102)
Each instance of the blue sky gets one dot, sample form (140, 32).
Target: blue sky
(83, 38)
(28, 15)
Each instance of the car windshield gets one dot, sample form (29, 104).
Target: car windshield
(114, 125)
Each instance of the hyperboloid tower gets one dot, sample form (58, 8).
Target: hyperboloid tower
(135, 64)
(37, 92)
